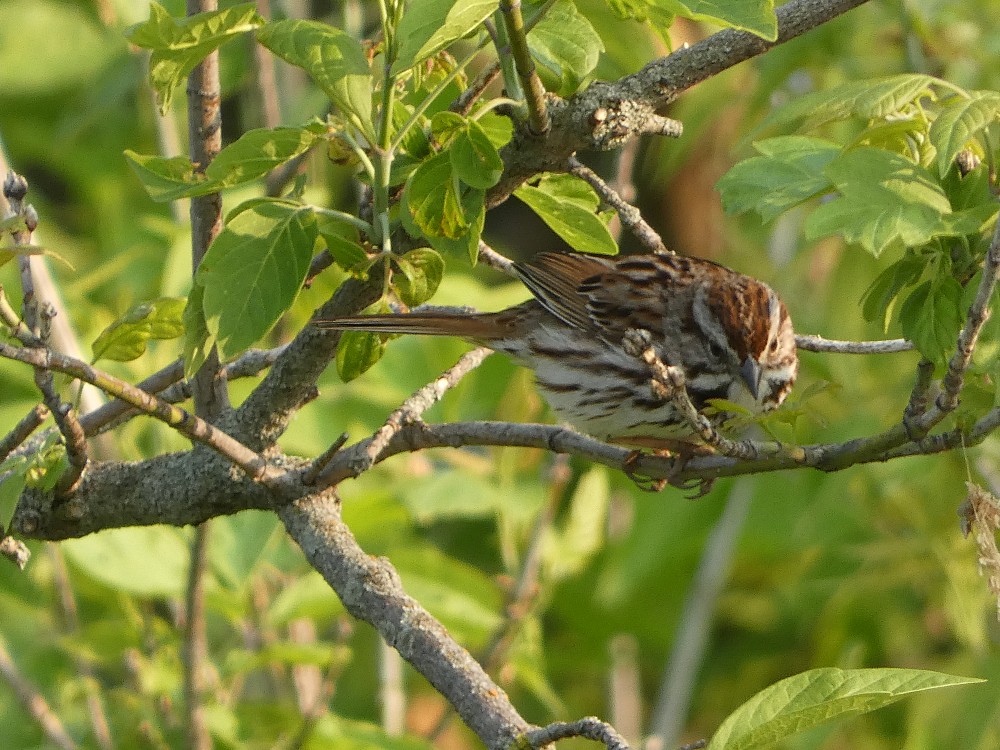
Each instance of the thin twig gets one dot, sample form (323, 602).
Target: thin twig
(23, 430)
(590, 728)
(195, 644)
(183, 421)
(467, 99)
(493, 259)
(82, 660)
(834, 346)
(34, 703)
(38, 318)
(975, 319)
(411, 409)
(691, 637)
(629, 214)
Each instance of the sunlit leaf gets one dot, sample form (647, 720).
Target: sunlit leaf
(126, 338)
(431, 25)
(789, 172)
(178, 45)
(333, 59)
(569, 206)
(812, 698)
(253, 271)
(959, 122)
(565, 42)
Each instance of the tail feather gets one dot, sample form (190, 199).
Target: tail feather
(481, 327)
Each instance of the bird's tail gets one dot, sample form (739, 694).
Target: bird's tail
(476, 327)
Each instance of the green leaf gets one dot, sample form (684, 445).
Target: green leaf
(872, 99)
(877, 301)
(357, 351)
(959, 122)
(431, 25)
(333, 58)
(498, 129)
(169, 179)
(114, 556)
(180, 44)
(422, 270)
(886, 200)
(474, 158)
(341, 240)
(198, 340)
(812, 698)
(755, 16)
(932, 316)
(789, 172)
(126, 338)
(41, 468)
(253, 271)
(568, 205)
(437, 204)
(257, 152)
(565, 42)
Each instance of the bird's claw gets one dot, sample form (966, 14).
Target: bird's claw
(700, 485)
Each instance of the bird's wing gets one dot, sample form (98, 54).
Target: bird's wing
(634, 293)
(555, 279)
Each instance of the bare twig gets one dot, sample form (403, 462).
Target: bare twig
(34, 703)
(493, 259)
(691, 637)
(22, 430)
(370, 589)
(38, 318)
(184, 422)
(195, 644)
(834, 346)
(463, 105)
(628, 213)
(411, 409)
(975, 319)
(590, 728)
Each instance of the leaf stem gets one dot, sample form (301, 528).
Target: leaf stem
(534, 92)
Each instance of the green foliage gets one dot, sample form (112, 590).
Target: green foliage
(126, 338)
(179, 45)
(566, 44)
(756, 16)
(334, 60)
(892, 184)
(864, 567)
(431, 25)
(253, 271)
(570, 207)
(806, 700)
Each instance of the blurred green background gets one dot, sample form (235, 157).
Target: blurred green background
(864, 568)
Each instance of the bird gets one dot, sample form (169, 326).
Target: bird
(730, 335)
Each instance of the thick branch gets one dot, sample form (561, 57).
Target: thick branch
(370, 589)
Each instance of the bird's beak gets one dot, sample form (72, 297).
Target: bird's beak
(751, 372)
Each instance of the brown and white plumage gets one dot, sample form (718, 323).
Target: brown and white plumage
(729, 333)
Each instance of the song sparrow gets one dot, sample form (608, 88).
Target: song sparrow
(730, 335)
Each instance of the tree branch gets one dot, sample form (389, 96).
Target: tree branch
(370, 589)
